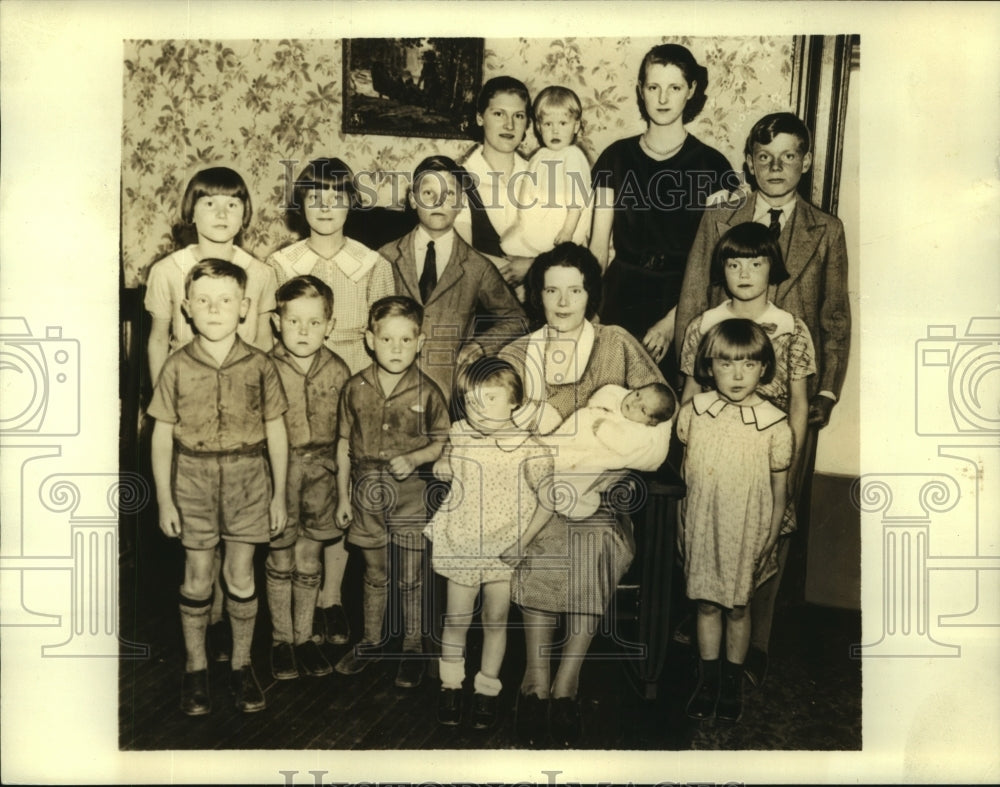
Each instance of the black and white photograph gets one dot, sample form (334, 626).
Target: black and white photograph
(536, 391)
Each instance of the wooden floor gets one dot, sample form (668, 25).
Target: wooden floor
(811, 701)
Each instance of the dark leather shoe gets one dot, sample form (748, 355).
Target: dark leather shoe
(484, 711)
(336, 628)
(195, 700)
(410, 672)
(311, 660)
(283, 661)
(702, 704)
(755, 666)
(531, 720)
(565, 722)
(220, 641)
(351, 663)
(246, 689)
(450, 707)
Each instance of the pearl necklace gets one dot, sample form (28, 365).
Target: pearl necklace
(663, 153)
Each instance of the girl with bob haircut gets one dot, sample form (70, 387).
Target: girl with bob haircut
(748, 240)
(650, 192)
(738, 450)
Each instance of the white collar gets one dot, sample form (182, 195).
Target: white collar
(761, 415)
(762, 207)
(776, 322)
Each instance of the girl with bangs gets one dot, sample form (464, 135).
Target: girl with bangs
(738, 450)
(216, 206)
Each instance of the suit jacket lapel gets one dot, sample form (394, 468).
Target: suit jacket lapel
(742, 214)
(406, 266)
(803, 241)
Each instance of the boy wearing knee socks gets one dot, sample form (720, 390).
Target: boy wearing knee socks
(312, 377)
(219, 455)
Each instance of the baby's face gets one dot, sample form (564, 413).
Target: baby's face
(558, 128)
(639, 404)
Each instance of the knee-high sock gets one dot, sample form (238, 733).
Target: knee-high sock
(242, 616)
(194, 623)
(305, 588)
(278, 587)
(374, 600)
(411, 589)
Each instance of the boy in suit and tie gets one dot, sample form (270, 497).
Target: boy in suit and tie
(778, 153)
(461, 291)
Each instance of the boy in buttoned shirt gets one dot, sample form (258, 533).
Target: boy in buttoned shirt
(218, 406)
(312, 377)
(393, 419)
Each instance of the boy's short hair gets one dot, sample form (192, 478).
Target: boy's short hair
(680, 56)
(557, 97)
(769, 126)
(304, 287)
(443, 165)
(213, 268)
(486, 370)
(211, 182)
(324, 173)
(733, 340)
(667, 402)
(396, 306)
(749, 239)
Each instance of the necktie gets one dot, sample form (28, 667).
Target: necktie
(429, 276)
(775, 225)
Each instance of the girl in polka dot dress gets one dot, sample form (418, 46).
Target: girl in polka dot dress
(738, 449)
(495, 469)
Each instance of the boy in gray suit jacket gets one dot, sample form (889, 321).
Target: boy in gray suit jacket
(468, 308)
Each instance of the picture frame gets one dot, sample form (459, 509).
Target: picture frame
(413, 87)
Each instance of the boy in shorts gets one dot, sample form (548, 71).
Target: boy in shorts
(218, 406)
(393, 418)
(312, 377)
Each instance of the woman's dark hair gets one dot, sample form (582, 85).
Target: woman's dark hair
(675, 55)
(565, 255)
(486, 370)
(212, 182)
(495, 86)
(733, 340)
(747, 240)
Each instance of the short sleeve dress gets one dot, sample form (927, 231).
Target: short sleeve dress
(575, 565)
(726, 515)
(490, 503)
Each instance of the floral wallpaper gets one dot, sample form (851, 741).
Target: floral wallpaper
(264, 107)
